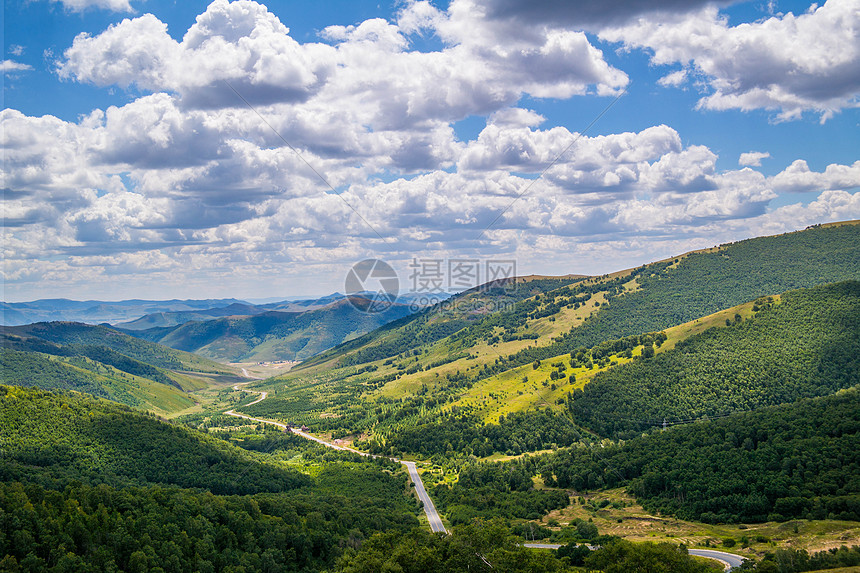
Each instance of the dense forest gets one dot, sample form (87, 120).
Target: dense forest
(799, 460)
(57, 439)
(464, 435)
(485, 546)
(482, 546)
(90, 485)
(807, 345)
(488, 490)
(156, 528)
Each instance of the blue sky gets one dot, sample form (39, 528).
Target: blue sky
(188, 149)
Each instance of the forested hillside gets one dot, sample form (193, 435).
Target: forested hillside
(665, 294)
(806, 344)
(500, 350)
(29, 337)
(102, 362)
(799, 460)
(58, 439)
(273, 335)
(123, 474)
(80, 373)
(440, 321)
(705, 282)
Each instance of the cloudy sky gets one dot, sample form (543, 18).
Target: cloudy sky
(162, 149)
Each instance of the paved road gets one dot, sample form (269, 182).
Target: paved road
(429, 509)
(730, 560)
(263, 396)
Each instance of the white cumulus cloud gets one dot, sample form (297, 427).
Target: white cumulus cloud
(787, 63)
(12, 66)
(81, 5)
(752, 158)
(797, 178)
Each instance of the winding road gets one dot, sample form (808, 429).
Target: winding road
(433, 517)
(729, 560)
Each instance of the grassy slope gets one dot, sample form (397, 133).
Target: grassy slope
(702, 283)
(105, 363)
(665, 295)
(504, 393)
(435, 324)
(322, 387)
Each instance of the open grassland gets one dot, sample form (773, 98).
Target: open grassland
(614, 512)
(527, 387)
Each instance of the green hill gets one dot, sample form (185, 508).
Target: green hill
(805, 344)
(90, 485)
(51, 438)
(793, 461)
(103, 362)
(65, 333)
(273, 335)
(493, 350)
(77, 372)
(660, 295)
(440, 321)
(645, 299)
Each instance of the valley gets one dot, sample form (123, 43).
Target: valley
(622, 408)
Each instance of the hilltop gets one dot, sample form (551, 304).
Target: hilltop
(506, 348)
(103, 362)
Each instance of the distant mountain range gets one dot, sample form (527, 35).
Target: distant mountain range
(266, 335)
(227, 330)
(136, 314)
(98, 311)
